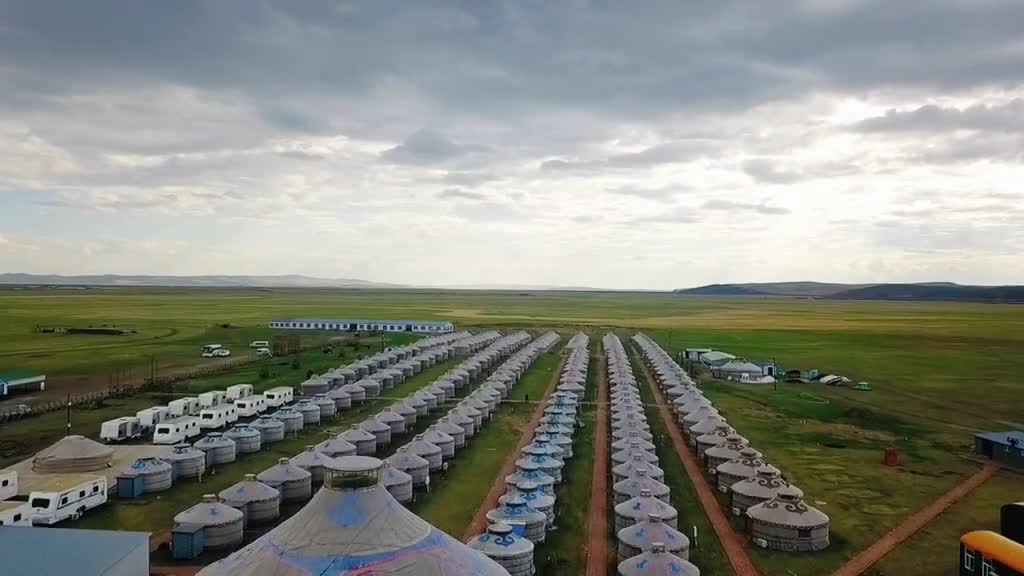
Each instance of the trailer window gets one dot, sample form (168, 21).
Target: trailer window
(40, 502)
(163, 430)
(81, 493)
(63, 500)
(17, 517)
(95, 489)
(207, 416)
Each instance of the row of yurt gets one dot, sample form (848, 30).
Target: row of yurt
(778, 517)
(646, 523)
(526, 512)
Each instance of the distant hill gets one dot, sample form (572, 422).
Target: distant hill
(283, 281)
(920, 291)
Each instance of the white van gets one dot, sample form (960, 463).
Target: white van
(8, 485)
(123, 428)
(279, 396)
(183, 407)
(15, 514)
(176, 430)
(259, 344)
(150, 417)
(212, 398)
(63, 496)
(237, 391)
(210, 350)
(251, 405)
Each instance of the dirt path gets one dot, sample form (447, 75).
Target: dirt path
(867, 558)
(732, 543)
(479, 523)
(597, 525)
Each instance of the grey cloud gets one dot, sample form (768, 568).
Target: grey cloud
(460, 194)
(674, 152)
(735, 206)
(469, 179)
(768, 171)
(678, 215)
(660, 194)
(968, 149)
(1007, 117)
(423, 147)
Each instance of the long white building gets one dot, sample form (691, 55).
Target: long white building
(364, 325)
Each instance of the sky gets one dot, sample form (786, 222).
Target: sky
(577, 143)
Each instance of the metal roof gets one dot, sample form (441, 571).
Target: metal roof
(1003, 437)
(364, 321)
(13, 375)
(32, 551)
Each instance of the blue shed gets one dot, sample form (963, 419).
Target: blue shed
(187, 541)
(130, 486)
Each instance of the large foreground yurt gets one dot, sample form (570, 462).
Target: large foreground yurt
(73, 454)
(787, 523)
(354, 526)
(657, 562)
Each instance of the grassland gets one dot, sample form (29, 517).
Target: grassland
(939, 372)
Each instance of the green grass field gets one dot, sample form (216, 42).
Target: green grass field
(939, 372)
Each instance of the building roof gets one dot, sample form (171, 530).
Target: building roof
(12, 375)
(715, 356)
(996, 547)
(363, 321)
(1003, 437)
(30, 551)
(740, 365)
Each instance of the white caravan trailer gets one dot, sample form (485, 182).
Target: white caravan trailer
(279, 396)
(251, 405)
(259, 344)
(15, 514)
(123, 428)
(150, 417)
(176, 430)
(8, 484)
(210, 350)
(183, 406)
(212, 418)
(211, 398)
(63, 496)
(238, 391)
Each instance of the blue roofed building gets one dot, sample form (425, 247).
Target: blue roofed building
(364, 325)
(1003, 447)
(39, 551)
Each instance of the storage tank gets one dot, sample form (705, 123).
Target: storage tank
(524, 520)
(429, 452)
(336, 448)
(380, 431)
(637, 509)
(443, 441)
(639, 538)
(219, 450)
(631, 487)
(657, 562)
(310, 412)
(186, 461)
(412, 464)
(258, 502)
(312, 461)
(246, 438)
(157, 475)
(222, 524)
(501, 544)
(354, 526)
(270, 429)
(291, 418)
(365, 442)
(328, 409)
(342, 399)
(398, 483)
(294, 483)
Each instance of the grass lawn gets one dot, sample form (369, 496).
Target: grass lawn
(564, 549)
(155, 512)
(454, 500)
(707, 554)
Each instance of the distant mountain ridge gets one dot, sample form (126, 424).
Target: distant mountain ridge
(918, 291)
(281, 281)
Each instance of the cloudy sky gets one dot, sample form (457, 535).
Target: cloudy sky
(601, 143)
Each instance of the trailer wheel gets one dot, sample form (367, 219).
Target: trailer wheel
(78, 513)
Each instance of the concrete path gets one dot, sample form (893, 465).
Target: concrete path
(597, 525)
(867, 558)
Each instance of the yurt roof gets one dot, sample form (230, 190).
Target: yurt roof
(501, 541)
(249, 490)
(335, 445)
(643, 504)
(355, 531)
(311, 457)
(405, 459)
(657, 562)
(209, 514)
(647, 531)
(394, 477)
(788, 510)
(73, 454)
(283, 472)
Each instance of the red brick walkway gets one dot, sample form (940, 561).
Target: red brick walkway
(732, 543)
(867, 558)
(479, 523)
(597, 525)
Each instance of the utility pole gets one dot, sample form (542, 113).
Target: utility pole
(68, 416)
